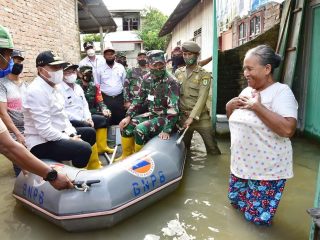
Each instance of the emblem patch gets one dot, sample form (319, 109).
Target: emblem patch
(143, 167)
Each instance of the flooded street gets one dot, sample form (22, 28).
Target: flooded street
(199, 209)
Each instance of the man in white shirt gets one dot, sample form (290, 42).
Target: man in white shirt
(48, 132)
(111, 77)
(77, 109)
(92, 60)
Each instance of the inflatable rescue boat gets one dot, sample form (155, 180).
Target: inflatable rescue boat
(104, 197)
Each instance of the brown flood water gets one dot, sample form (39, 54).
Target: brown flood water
(199, 209)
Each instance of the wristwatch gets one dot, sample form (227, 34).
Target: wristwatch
(51, 176)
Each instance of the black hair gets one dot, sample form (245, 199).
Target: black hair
(266, 55)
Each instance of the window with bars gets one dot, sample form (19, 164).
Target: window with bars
(130, 24)
(242, 33)
(255, 26)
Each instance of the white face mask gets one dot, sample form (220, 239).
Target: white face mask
(71, 78)
(55, 77)
(91, 52)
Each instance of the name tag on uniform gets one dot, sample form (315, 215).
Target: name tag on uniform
(151, 98)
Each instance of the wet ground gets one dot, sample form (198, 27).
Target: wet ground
(199, 209)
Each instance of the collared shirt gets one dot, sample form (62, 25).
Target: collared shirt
(3, 127)
(98, 61)
(44, 115)
(76, 105)
(111, 80)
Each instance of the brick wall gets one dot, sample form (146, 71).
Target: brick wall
(230, 74)
(38, 25)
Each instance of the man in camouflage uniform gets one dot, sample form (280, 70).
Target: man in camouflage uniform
(92, 92)
(161, 93)
(134, 78)
(122, 59)
(195, 85)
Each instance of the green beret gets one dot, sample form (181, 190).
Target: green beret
(190, 46)
(155, 56)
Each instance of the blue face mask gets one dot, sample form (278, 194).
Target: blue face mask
(4, 72)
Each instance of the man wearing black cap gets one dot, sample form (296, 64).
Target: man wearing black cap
(48, 132)
(111, 78)
(134, 78)
(195, 86)
(92, 59)
(11, 92)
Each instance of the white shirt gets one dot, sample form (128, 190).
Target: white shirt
(76, 105)
(111, 80)
(98, 61)
(256, 151)
(44, 116)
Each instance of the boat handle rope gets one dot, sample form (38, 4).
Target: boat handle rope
(84, 185)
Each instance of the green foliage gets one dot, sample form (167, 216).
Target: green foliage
(150, 29)
(91, 38)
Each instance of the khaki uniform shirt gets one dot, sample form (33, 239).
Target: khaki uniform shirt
(194, 92)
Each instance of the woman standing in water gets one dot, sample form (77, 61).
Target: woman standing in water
(261, 120)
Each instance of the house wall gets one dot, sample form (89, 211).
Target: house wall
(38, 25)
(199, 17)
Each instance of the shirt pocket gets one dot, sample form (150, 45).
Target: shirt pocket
(194, 90)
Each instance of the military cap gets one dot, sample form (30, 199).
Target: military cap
(190, 46)
(68, 66)
(48, 58)
(85, 69)
(87, 45)
(155, 56)
(17, 54)
(121, 54)
(142, 52)
(5, 38)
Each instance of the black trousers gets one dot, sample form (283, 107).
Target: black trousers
(115, 104)
(68, 150)
(98, 120)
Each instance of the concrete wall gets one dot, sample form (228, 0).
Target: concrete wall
(42, 25)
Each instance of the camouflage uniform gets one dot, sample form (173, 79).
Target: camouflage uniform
(132, 82)
(162, 97)
(194, 92)
(93, 96)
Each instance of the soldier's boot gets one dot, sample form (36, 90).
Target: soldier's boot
(127, 144)
(209, 141)
(94, 162)
(137, 147)
(101, 139)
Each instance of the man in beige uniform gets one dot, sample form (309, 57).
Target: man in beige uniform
(195, 85)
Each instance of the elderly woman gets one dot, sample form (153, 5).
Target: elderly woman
(261, 121)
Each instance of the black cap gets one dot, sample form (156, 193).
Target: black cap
(17, 53)
(87, 45)
(48, 58)
(68, 66)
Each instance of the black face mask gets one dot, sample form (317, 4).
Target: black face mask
(110, 62)
(142, 63)
(17, 68)
(177, 60)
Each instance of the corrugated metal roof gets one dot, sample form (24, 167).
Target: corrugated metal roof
(93, 14)
(182, 10)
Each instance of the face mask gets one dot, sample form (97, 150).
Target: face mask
(110, 62)
(4, 72)
(71, 78)
(91, 52)
(177, 61)
(142, 63)
(190, 61)
(17, 68)
(158, 73)
(55, 77)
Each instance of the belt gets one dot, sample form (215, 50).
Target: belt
(105, 95)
